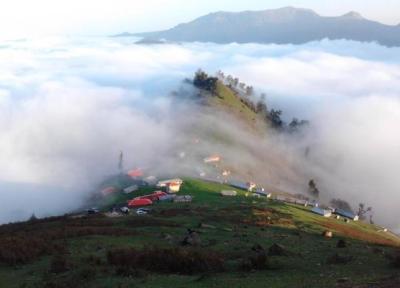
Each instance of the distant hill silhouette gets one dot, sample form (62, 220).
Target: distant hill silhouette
(281, 26)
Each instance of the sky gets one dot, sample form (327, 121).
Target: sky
(27, 18)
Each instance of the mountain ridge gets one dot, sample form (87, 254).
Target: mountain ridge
(287, 25)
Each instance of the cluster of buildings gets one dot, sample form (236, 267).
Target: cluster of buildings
(251, 188)
(167, 189)
(317, 209)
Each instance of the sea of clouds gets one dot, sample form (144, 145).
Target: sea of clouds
(69, 105)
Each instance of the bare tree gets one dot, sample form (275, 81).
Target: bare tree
(362, 211)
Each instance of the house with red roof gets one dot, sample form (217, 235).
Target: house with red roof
(109, 190)
(135, 173)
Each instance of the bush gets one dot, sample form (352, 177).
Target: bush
(59, 264)
(21, 249)
(128, 271)
(396, 260)
(24, 242)
(203, 81)
(338, 259)
(94, 260)
(256, 260)
(167, 260)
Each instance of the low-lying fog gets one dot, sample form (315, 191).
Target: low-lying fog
(69, 105)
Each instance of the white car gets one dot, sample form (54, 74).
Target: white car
(92, 211)
(124, 210)
(141, 212)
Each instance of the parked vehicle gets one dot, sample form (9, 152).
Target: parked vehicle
(92, 211)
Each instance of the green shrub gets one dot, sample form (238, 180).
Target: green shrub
(167, 260)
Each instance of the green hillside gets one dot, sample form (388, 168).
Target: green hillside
(233, 237)
(231, 103)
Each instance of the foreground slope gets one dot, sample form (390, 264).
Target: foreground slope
(133, 250)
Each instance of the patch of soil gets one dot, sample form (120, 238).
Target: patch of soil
(183, 211)
(149, 221)
(358, 234)
(267, 216)
(174, 212)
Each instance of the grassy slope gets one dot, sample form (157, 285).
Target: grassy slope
(229, 102)
(240, 223)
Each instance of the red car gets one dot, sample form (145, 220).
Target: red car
(139, 202)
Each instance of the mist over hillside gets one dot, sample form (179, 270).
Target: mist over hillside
(280, 26)
(67, 112)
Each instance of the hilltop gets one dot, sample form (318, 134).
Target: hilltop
(281, 26)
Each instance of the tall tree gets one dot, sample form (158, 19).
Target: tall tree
(249, 90)
(274, 117)
(341, 204)
(203, 81)
(312, 188)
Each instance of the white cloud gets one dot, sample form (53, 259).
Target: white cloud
(68, 105)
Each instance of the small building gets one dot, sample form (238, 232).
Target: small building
(228, 193)
(226, 173)
(167, 198)
(266, 194)
(165, 183)
(151, 180)
(249, 186)
(138, 202)
(212, 159)
(346, 214)
(322, 212)
(174, 187)
(292, 200)
(332, 209)
(171, 185)
(261, 191)
(302, 202)
(313, 203)
(131, 189)
(285, 199)
(183, 199)
(135, 173)
(108, 191)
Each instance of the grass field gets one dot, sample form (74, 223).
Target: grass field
(227, 227)
(228, 101)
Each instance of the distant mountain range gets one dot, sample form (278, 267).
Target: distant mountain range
(281, 26)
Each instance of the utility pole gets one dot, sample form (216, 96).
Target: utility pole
(121, 162)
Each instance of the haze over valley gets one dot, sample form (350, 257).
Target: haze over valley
(68, 111)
